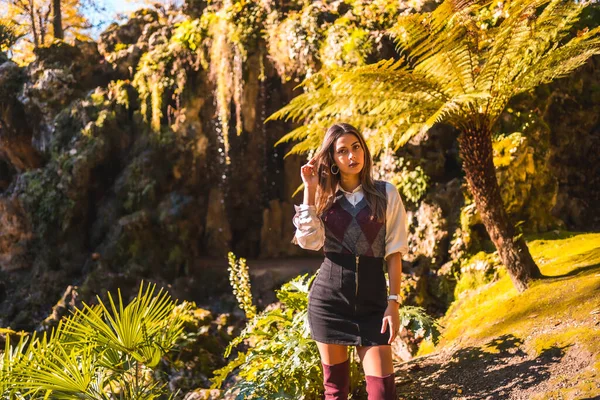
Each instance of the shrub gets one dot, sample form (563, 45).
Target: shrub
(100, 352)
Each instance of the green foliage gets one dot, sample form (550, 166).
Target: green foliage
(505, 147)
(282, 361)
(118, 91)
(380, 15)
(121, 46)
(162, 73)
(462, 64)
(235, 29)
(194, 34)
(411, 182)
(239, 277)
(419, 324)
(346, 45)
(247, 19)
(99, 352)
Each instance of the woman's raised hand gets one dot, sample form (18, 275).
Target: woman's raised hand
(308, 172)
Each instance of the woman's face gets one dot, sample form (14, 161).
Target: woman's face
(348, 154)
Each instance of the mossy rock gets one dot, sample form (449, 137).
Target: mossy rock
(527, 187)
(58, 55)
(12, 78)
(86, 135)
(294, 41)
(128, 33)
(477, 271)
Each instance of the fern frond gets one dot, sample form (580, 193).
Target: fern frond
(560, 62)
(299, 133)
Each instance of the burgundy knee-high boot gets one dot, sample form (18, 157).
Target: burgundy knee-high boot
(381, 388)
(336, 380)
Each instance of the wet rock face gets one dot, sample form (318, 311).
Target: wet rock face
(124, 45)
(277, 231)
(15, 235)
(15, 133)
(572, 115)
(60, 74)
(6, 175)
(429, 233)
(128, 33)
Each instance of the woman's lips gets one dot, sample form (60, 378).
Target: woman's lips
(352, 165)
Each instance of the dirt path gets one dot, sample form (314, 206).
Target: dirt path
(501, 369)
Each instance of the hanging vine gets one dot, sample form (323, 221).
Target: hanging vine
(235, 32)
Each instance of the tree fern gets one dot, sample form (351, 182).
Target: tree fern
(452, 69)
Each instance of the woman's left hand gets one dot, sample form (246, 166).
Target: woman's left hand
(391, 322)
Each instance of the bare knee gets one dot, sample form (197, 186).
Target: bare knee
(332, 354)
(376, 360)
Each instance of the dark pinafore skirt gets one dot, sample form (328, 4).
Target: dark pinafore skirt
(347, 301)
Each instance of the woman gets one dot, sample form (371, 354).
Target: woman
(359, 223)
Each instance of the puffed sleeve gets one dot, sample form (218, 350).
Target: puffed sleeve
(310, 232)
(395, 223)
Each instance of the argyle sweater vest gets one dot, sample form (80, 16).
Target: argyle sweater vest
(350, 230)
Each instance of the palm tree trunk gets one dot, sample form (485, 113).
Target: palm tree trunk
(57, 20)
(475, 146)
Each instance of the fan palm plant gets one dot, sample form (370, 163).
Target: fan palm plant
(98, 353)
(461, 65)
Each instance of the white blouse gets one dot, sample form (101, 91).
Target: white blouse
(310, 232)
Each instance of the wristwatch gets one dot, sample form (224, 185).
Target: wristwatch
(394, 297)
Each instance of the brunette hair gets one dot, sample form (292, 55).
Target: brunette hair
(328, 182)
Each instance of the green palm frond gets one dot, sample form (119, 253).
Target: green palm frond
(10, 360)
(58, 369)
(142, 328)
(455, 70)
(97, 352)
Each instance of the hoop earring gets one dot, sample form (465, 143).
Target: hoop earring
(337, 169)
